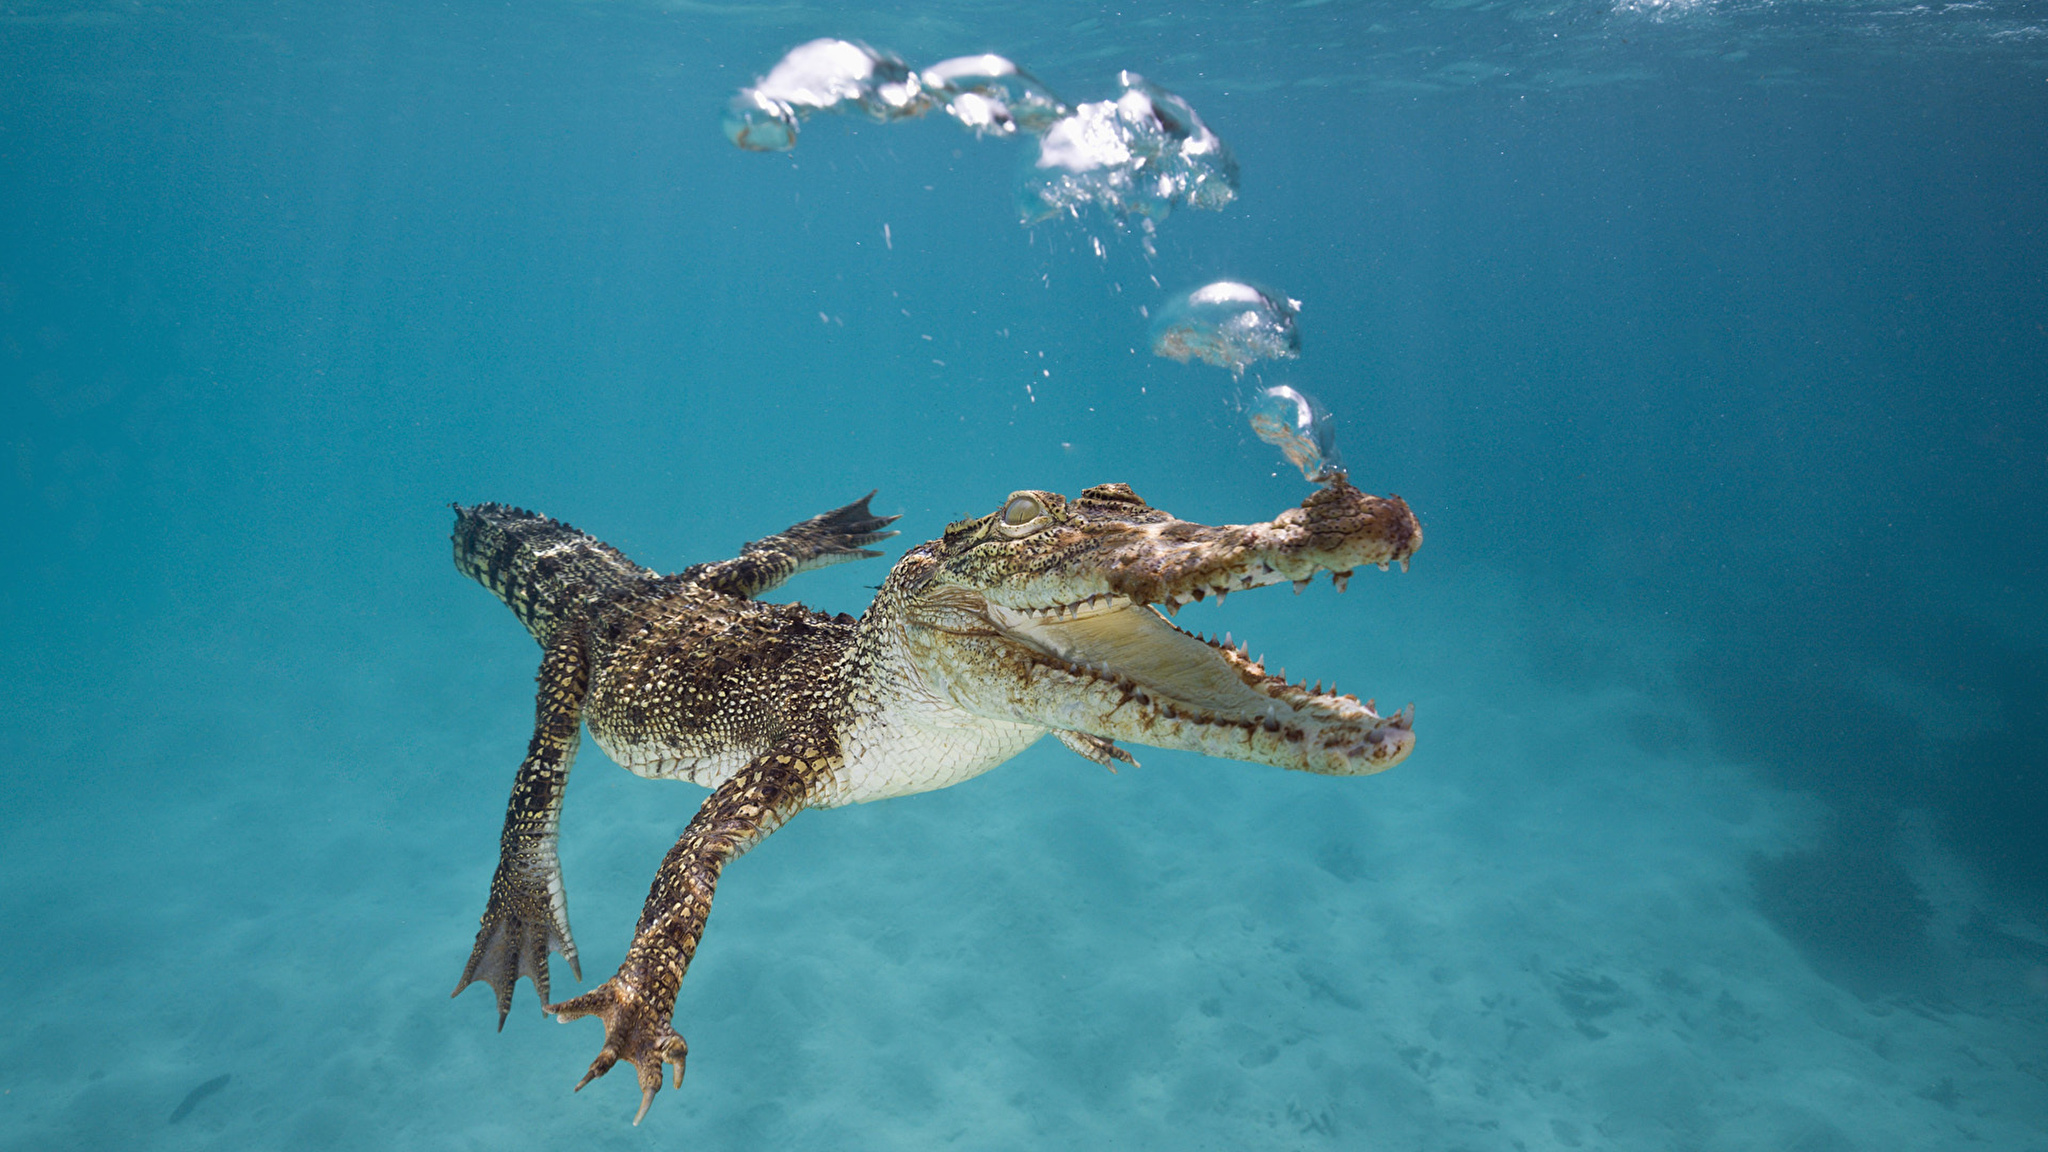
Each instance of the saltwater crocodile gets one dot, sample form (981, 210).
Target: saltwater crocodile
(1041, 617)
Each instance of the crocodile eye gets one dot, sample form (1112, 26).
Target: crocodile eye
(1022, 510)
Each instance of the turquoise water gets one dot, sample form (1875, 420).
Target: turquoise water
(1705, 339)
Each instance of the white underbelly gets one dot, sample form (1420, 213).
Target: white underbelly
(884, 759)
(657, 761)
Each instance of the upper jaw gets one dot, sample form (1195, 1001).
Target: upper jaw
(1173, 562)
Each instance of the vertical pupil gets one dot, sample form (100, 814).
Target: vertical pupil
(1022, 510)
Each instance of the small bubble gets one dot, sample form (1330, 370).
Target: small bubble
(1298, 424)
(1229, 324)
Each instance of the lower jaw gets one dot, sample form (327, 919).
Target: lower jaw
(1249, 741)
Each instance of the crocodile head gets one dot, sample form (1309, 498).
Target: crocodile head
(1054, 612)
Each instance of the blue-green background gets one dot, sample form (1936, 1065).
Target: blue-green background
(1706, 339)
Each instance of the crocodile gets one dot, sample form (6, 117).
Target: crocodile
(1046, 616)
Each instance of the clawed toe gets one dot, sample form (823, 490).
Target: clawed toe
(632, 1032)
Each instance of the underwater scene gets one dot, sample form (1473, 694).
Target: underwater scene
(1619, 430)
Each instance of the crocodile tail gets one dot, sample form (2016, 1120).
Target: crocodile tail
(540, 567)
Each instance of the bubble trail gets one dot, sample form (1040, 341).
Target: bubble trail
(1230, 324)
(1298, 424)
(1142, 154)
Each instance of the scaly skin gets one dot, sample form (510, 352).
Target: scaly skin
(1037, 618)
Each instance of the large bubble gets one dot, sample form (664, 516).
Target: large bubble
(1298, 424)
(1144, 153)
(992, 96)
(822, 76)
(1229, 324)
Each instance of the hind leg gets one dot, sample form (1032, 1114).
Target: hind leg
(528, 912)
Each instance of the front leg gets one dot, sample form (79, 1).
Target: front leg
(637, 1003)
(528, 911)
(825, 539)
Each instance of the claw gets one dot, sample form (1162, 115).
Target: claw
(633, 1031)
(598, 1067)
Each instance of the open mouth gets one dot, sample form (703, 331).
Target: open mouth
(1177, 678)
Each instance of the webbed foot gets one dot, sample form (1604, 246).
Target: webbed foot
(841, 534)
(636, 1030)
(520, 926)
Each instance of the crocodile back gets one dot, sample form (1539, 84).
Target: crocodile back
(540, 567)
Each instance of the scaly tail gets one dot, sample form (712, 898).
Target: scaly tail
(539, 566)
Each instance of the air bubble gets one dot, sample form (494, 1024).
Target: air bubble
(822, 76)
(1230, 324)
(1142, 154)
(992, 96)
(1298, 424)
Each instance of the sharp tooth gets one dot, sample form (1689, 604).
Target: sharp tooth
(1226, 641)
(1299, 585)
(1340, 579)
(1220, 594)
(1173, 607)
(1383, 565)
(1319, 688)
(1199, 593)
